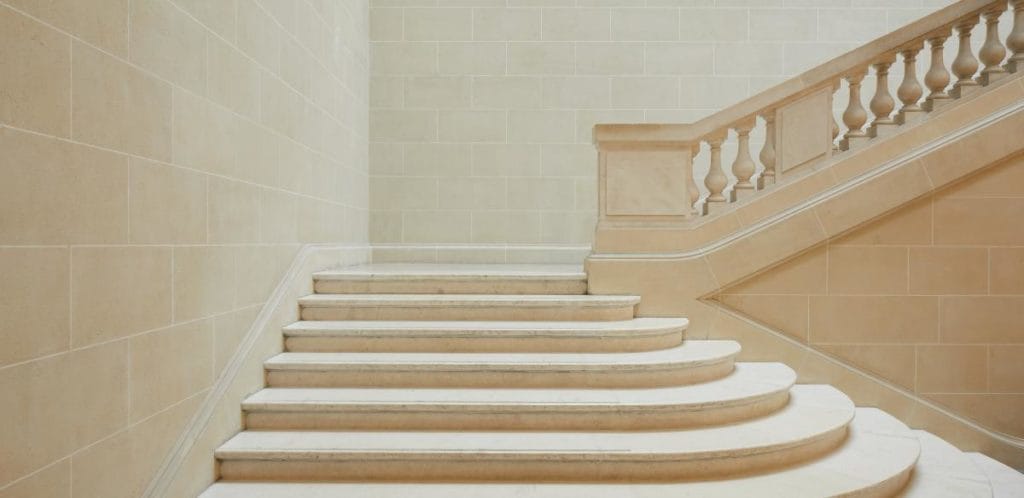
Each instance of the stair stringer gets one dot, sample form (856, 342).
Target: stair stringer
(682, 284)
(762, 343)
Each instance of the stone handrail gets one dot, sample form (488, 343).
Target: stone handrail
(646, 173)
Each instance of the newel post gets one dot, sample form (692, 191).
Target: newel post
(645, 185)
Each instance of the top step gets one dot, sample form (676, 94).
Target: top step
(414, 278)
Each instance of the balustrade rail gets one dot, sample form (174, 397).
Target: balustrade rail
(796, 117)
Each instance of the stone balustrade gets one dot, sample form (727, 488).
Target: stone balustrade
(797, 121)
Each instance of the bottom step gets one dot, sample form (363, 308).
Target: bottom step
(1006, 482)
(943, 471)
(875, 461)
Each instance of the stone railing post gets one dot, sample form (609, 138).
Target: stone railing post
(645, 184)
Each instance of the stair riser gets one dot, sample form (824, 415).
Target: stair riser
(605, 313)
(519, 467)
(497, 379)
(889, 487)
(405, 417)
(512, 286)
(483, 344)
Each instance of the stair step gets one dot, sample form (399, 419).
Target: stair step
(466, 307)
(873, 462)
(813, 423)
(404, 278)
(1006, 482)
(638, 334)
(752, 390)
(690, 362)
(943, 471)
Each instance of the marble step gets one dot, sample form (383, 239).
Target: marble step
(1006, 482)
(466, 307)
(406, 278)
(813, 423)
(752, 390)
(690, 362)
(943, 471)
(638, 334)
(874, 461)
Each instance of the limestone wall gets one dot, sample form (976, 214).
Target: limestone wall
(160, 163)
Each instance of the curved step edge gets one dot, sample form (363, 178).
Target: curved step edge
(874, 462)
(752, 390)
(690, 362)
(943, 471)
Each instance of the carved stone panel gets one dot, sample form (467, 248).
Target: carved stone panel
(646, 182)
(804, 131)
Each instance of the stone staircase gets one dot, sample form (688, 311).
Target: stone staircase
(505, 380)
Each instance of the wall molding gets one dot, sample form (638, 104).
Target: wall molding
(481, 253)
(298, 276)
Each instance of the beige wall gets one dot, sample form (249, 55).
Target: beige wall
(930, 297)
(481, 110)
(160, 163)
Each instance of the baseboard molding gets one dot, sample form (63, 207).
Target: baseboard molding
(479, 253)
(218, 416)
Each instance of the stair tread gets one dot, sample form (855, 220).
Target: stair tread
(420, 271)
(748, 381)
(690, 352)
(943, 471)
(1006, 482)
(466, 300)
(812, 412)
(475, 328)
(878, 448)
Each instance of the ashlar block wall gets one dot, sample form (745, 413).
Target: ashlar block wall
(161, 161)
(930, 297)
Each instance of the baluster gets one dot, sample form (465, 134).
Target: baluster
(716, 181)
(1015, 40)
(882, 103)
(910, 90)
(767, 154)
(696, 206)
(835, 133)
(835, 125)
(965, 64)
(855, 116)
(992, 51)
(743, 167)
(937, 77)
